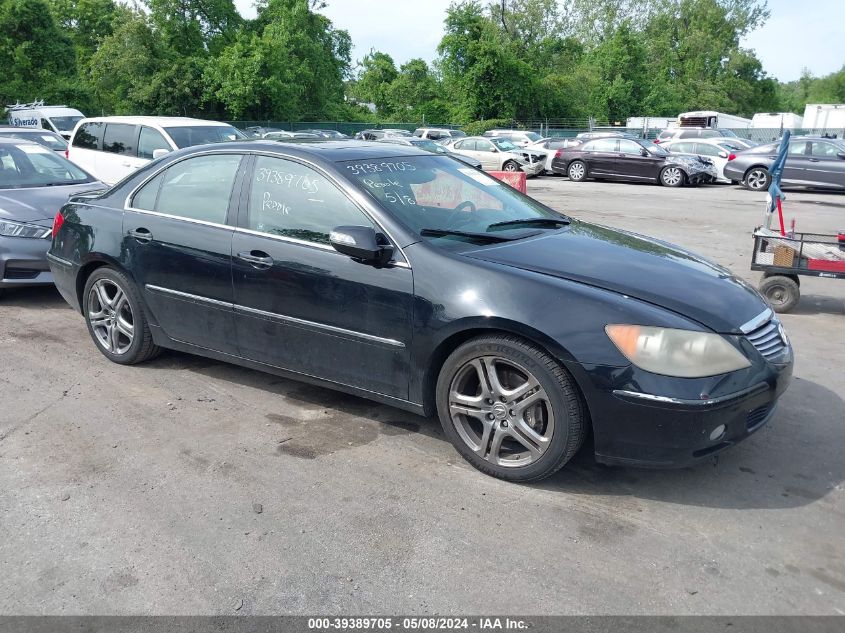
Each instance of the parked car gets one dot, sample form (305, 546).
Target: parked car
(55, 118)
(34, 182)
(433, 147)
(285, 135)
(438, 133)
(112, 147)
(681, 133)
(632, 160)
(48, 139)
(369, 135)
(586, 136)
(329, 134)
(258, 131)
(405, 278)
(812, 162)
(520, 138)
(551, 147)
(717, 150)
(499, 154)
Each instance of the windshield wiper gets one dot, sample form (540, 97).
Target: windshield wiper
(490, 237)
(539, 222)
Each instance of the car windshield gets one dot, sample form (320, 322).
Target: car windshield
(533, 136)
(31, 165)
(457, 134)
(655, 149)
(65, 123)
(441, 195)
(728, 133)
(504, 144)
(188, 135)
(42, 137)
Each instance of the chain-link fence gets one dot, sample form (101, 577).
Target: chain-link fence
(345, 127)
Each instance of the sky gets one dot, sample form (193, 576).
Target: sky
(799, 34)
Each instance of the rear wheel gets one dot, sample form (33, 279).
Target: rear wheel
(509, 408)
(781, 292)
(757, 179)
(577, 171)
(115, 318)
(672, 177)
(510, 166)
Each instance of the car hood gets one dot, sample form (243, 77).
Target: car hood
(639, 267)
(36, 204)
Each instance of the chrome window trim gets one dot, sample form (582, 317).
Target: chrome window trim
(180, 217)
(683, 401)
(332, 329)
(765, 316)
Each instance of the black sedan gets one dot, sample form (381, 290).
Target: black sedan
(633, 160)
(410, 279)
(812, 162)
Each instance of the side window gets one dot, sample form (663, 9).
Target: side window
(45, 124)
(706, 150)
(823, 150)
(149, 141)
(88, 136)
(197, 188)
(629, 147)
(799, 148)
(483, 146)
(602, 145)
(293, 200)
(119, 139)
(148, 194)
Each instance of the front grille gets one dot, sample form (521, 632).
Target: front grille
(767, 339)
(757, 416)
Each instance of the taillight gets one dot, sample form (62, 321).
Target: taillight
(657, 141)
(558, 153)
(731, 156)
(67, 152)
(57, 222)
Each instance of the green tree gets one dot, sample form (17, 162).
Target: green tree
(372, 85)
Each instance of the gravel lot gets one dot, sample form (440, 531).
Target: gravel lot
(187, 486)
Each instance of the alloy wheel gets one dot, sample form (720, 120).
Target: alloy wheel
(757, 179)
(110, 316)
(576, 171)
(672, 176)
(500, 411)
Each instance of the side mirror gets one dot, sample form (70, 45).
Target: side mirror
(841, 155)
(643, 152)
(361, 242)
(158, 153)
(723, 154)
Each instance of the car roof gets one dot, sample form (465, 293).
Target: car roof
(169, 121)
(326, 150)
(25, 130)
(11, 140)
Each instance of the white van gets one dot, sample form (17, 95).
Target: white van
(59, 118)
(777, 121)
(114, 146)
(713, 120)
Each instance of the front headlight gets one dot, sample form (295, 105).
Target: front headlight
(680, 353)
(9, 228)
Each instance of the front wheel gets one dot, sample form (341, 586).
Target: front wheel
(509, 408)
(115, 318)
(757, 179)
(672, 177)
(510, 166)
(781, 292)
(577, 171)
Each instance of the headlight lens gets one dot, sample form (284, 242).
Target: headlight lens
(21, 229)
(680, 353)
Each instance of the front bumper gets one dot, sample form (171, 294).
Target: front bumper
(23, 262)
(533, 169)
(637, 428)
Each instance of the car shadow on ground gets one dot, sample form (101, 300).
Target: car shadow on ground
(794, 461)
(819, 304)
(35, 298)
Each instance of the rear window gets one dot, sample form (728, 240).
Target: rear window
(30, 165)
(120, 139)
(189, 135)
(89, 135)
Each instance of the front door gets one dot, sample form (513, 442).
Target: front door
(178, 242)
(488, 155)
(825, 168)
(302, 306)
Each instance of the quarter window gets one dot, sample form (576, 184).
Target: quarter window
(293, 200)
(88, 135)
(120, 139)
(149, 141)
(197, 188)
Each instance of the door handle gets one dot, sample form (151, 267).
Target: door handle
(257, 259)
(815, 160)
(141, 235)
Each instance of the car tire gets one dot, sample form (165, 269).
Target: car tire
(757, 179)
(782, 292)
(115, 318)
(577, 171)
(672, 176)
(509, 408)
(511, 165)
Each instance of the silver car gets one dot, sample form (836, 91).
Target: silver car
(498, 154)
(34, 184)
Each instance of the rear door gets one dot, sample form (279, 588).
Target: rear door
(177, 236)
(119, 157)
(601, 155)
(825, 168)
